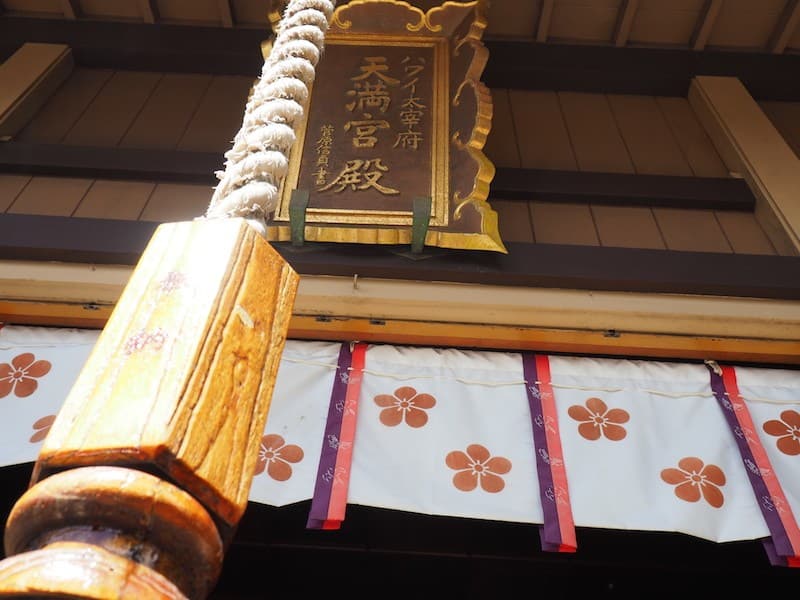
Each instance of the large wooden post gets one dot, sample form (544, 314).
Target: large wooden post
(146, 472)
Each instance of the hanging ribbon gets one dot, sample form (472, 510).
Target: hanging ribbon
(558, 532)
(783, 547)
(329, 502)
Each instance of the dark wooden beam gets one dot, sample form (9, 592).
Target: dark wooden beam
(29, 237)
(617, 189)
(147, 47)
(629, 70)
(568, 267)
(105, 241)
(508, 184)
(512, 64)
(110, 163)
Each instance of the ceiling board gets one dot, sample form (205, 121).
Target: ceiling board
(746, 24)
(584, 22)
(513, 19)
(199, 11)
(33, 6)
(111, 9)
(251, 12)
(660, 23)
(794, 43)
(786, 27)
(739, 24)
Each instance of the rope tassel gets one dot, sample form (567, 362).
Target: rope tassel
(258, 159)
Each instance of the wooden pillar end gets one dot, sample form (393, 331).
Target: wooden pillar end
(137, 517)
(181, 378)
(81, 572)
(146, 471)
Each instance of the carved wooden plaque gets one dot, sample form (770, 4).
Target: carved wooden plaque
(397, 112)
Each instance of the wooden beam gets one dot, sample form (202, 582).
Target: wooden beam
(511, 64)
(27, 79)
(85, 240)
(466, 335)
(643, 71)
(748, 142)
(570, 267)
(508, 184)
(618, 189)
(109, 163)
(705, 24)
(606, 343)
(225, 12)
(543, 24)
(149, 10)
(143, 47)
(785, 28)
(622, 30)
(442, 314)
(71, 9)
(68, 239)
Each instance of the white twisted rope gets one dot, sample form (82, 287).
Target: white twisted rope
(259, 158)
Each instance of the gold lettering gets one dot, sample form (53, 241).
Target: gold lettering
(412, 109)
(408, 139)
(369, 96)
(413, 70)
(376, 65)
(365, 131)
(359, 175)
(323, 147)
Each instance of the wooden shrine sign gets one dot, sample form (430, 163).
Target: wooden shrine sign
(391, 151)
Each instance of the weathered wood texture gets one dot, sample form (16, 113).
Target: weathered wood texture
(181, 377)
(130, 514)
(81, 571)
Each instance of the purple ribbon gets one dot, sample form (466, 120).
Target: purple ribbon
(330, 444)
(550, 533)
(779, 546)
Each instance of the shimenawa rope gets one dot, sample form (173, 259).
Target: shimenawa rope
(259, 158)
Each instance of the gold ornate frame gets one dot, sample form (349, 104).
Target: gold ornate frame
(461, 216)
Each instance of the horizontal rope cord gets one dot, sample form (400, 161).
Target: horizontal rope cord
(523, 382)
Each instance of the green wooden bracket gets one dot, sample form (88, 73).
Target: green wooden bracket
(298, 204)
(419, 224)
